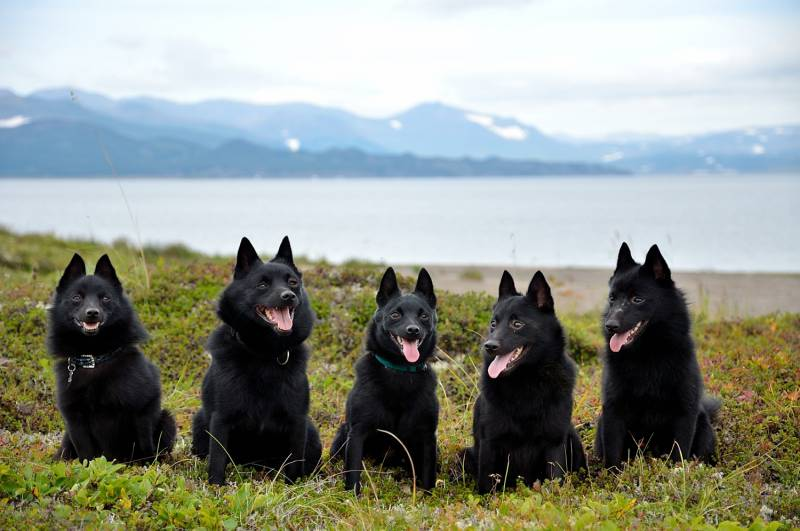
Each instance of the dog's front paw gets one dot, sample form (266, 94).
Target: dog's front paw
(216, 479)
(353, 486)
(426, 487)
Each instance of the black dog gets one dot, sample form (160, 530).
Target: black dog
(395, 390)
(652, 386)
(107, 392)
(255, 394)
(522, 421)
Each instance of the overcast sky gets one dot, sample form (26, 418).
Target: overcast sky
(578, 67)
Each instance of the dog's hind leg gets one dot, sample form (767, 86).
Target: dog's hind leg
(576, 456)
(66, 451)
(144, 448)
(165, 433)
(200, 436)
(337, 446)
(704, 446)
(466, 463)
(711, 405)
(557, 460)
(313, 452)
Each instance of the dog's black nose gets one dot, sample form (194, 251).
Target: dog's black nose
(491, 346)
(412, 330)
(288, 296)
(92, 313)
(612, 325)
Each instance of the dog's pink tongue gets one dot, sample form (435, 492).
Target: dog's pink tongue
(499, 364)
(283, 318)
(618, 341)
(410, 350)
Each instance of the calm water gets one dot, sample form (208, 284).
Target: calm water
(727, 223)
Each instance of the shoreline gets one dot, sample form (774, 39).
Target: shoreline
(582, 290)
(575, 289)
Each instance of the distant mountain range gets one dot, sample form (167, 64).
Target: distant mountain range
(64, 132)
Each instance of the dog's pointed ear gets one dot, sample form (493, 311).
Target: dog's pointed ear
(624, 258)
(656, 266)
(388, 289)
(539, 293)
(424, 287)
(75, 269)
(507, 287)
(284, 252)
(105, 269)
(246, 258)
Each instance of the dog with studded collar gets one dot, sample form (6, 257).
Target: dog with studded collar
(108, 393)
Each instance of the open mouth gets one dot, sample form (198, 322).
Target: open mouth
(89, 329)
(621, 339)
(281, 319)
(506, 362)
(409, 347)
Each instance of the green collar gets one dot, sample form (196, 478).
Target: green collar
(417, 367)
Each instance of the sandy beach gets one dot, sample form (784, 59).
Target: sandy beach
(584, 290)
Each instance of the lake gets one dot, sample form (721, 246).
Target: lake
(719, 222)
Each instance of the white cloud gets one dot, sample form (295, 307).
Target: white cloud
(758, 149)
(395, 124)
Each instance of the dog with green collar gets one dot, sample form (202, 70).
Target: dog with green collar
(394, 391)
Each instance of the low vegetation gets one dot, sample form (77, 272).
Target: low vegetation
(753, 364)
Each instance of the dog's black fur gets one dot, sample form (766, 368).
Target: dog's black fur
(652, 387)
(255, 393)
(522, 419)
(386, 398)
(114, 409)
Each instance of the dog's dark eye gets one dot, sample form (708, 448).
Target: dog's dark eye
(637, 299)
(493, 324)
(263, 284)
(424, 316)
(106, 298)
(292, 282)
(612, 298)
(76, 298)
(395, 315)
(516, 325)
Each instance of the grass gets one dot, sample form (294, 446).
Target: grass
(753, 364)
